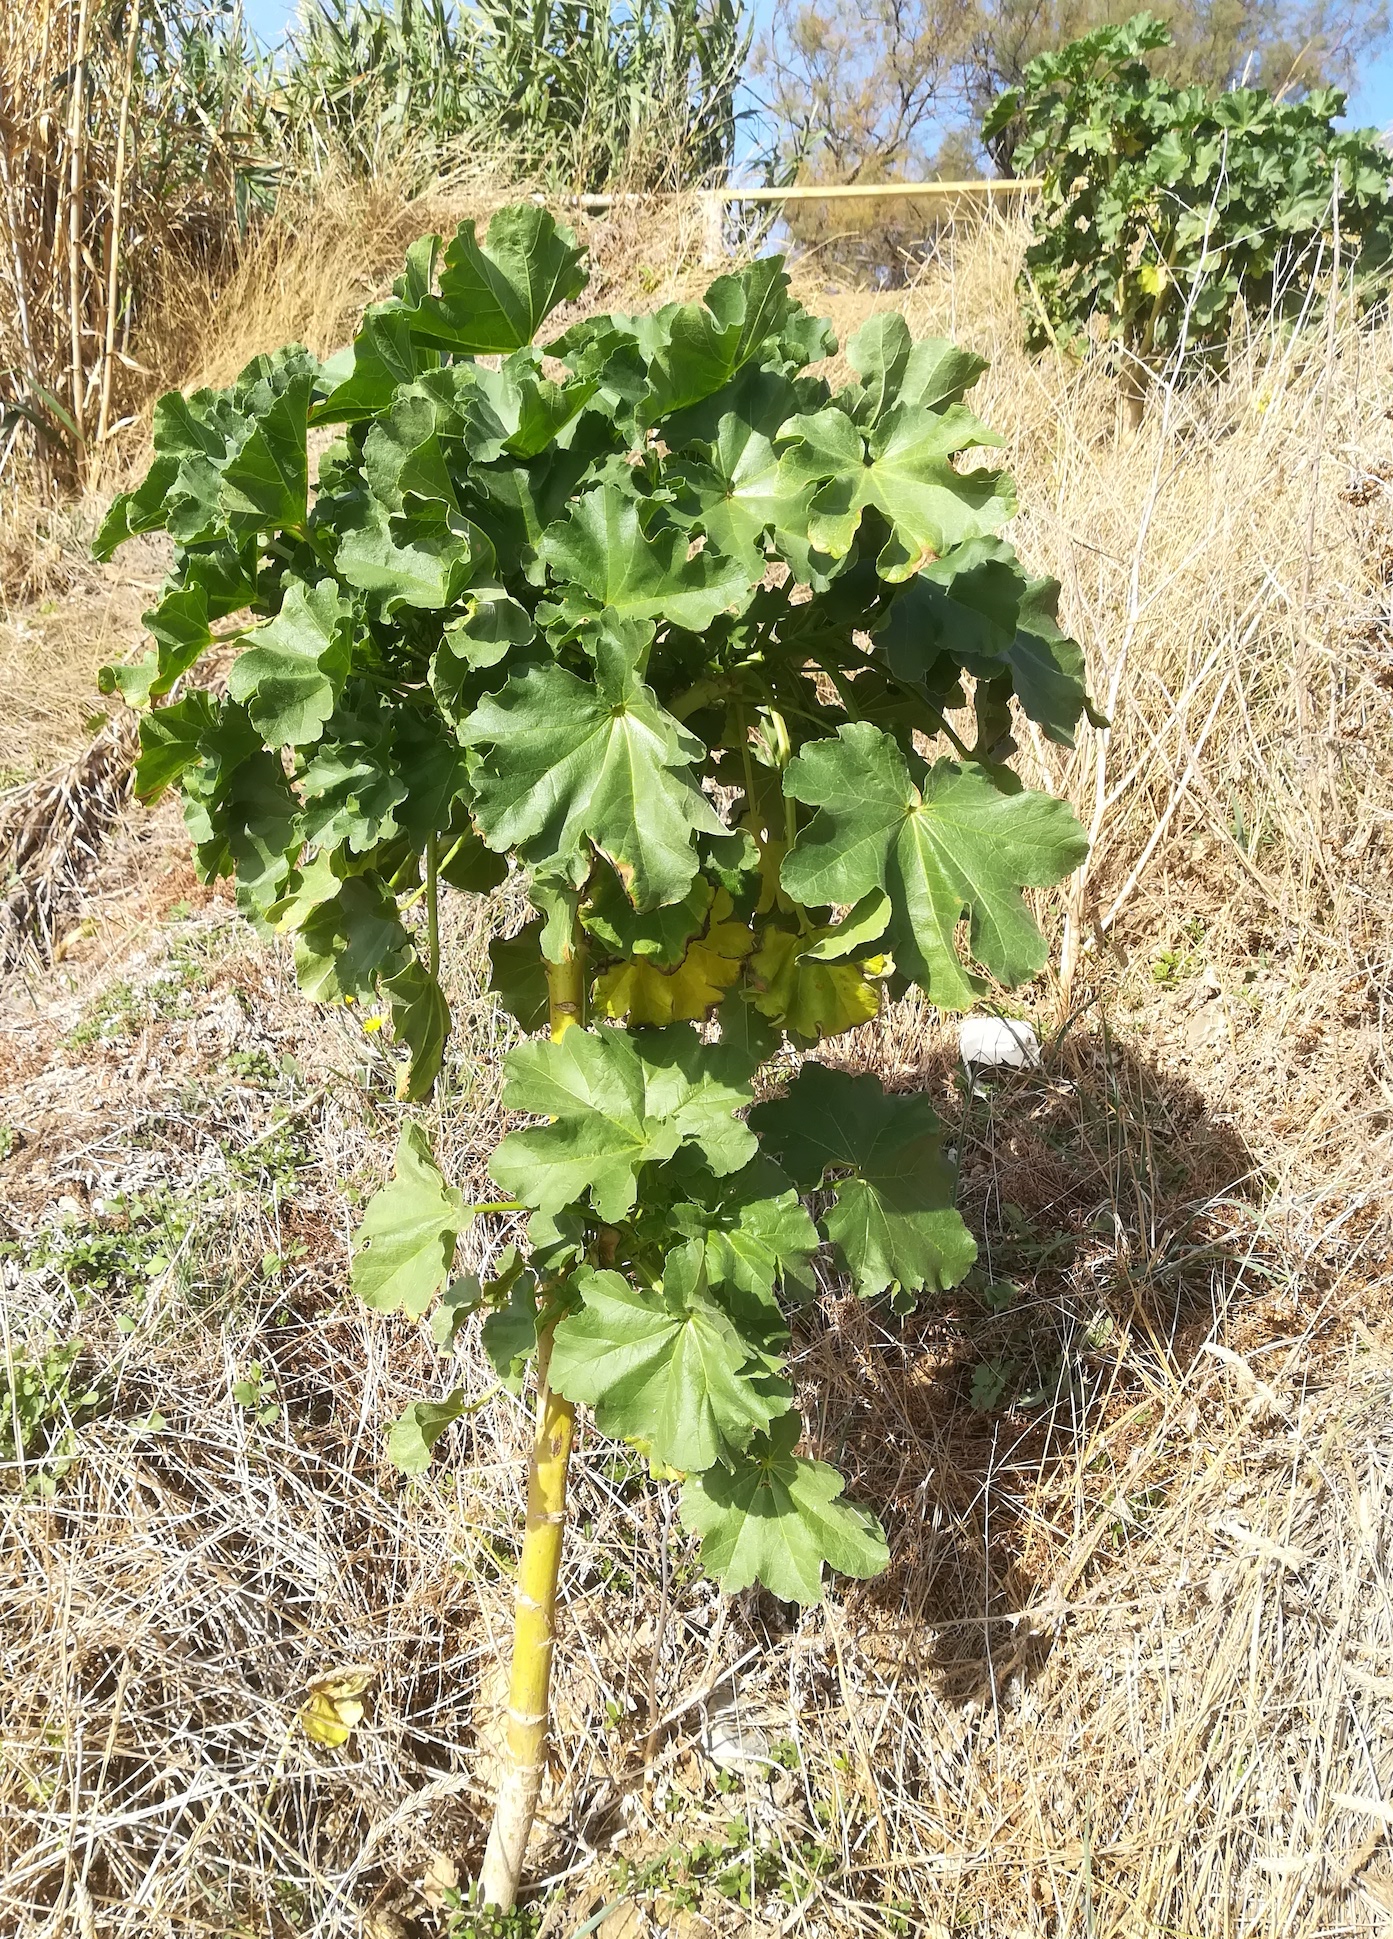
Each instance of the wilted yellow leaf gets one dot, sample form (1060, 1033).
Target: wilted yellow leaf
(646, 994)
(659, 1470)
(334, 1705)
(811, 998)
(1152, 278)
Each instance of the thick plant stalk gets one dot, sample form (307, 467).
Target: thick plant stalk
(534, 1623)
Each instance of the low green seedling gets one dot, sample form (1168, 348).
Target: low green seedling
(256, 1392)
(46, 1396)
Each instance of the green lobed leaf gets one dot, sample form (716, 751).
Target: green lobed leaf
(205, 588)
(659, 935)
(528, 409)
(776, 1517)
(171, 742)
(385, 353)
(141, 510)
(347, 933)
(496, 296)
(603, 558)
(460, 1300)
(289, 681)
(895, 370)
(415, 1432)
(409, 560)
(421, 1021)
(902, 468)
(560, 760)
(739, 491)
(238, 806)
(492, 626)
(893, 1216)
(668, 1369)
(405, 462)
(403, 1249)
(959, 841)
(510, 1333)
(352, 788)
(266, 473)
(227, 463)
(981, 609)
(756, 1236)
(618, 1102)
(519, 976)
(702, 346)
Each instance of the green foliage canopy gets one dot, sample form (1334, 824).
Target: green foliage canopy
(654, 616)
(1166, 207)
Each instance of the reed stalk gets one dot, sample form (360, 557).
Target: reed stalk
(113, 244)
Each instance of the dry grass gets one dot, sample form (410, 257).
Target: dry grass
(1128, 1672)
(118, 173)
(307, 278)
(52, 832)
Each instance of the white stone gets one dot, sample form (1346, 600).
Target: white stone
(998, 1043)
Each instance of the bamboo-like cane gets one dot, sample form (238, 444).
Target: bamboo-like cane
(113, 240)
(77, 196)
(539, 1568)
(19, 267)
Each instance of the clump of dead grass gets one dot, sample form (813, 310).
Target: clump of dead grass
(307, 276)
(51, 831)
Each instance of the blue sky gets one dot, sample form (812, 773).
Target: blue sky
(1371, 101)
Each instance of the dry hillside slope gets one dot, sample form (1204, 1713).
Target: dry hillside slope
(1128, 1673)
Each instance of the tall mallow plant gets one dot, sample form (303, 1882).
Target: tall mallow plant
(655, 618)
(1165, 209)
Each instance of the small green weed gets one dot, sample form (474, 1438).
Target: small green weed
(470, 1919)
(1171, 966)
(997, 1295)
(256, 1066)
(732, 1867)
(123, 1008)
(279, 1157)
(44, 1399)
(257, 1393)
(125, 1245)
(990, 1379)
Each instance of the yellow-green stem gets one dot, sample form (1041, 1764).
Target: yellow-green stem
(534, 1619)
(432, 906)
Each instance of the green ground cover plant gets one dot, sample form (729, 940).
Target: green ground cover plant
(48, 1390)
(654, 617)
(1167, 208)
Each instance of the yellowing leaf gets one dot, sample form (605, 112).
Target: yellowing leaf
(659, 1470)
(1152, 278)
(812, 998)
(644, 993)
(334, 1706)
